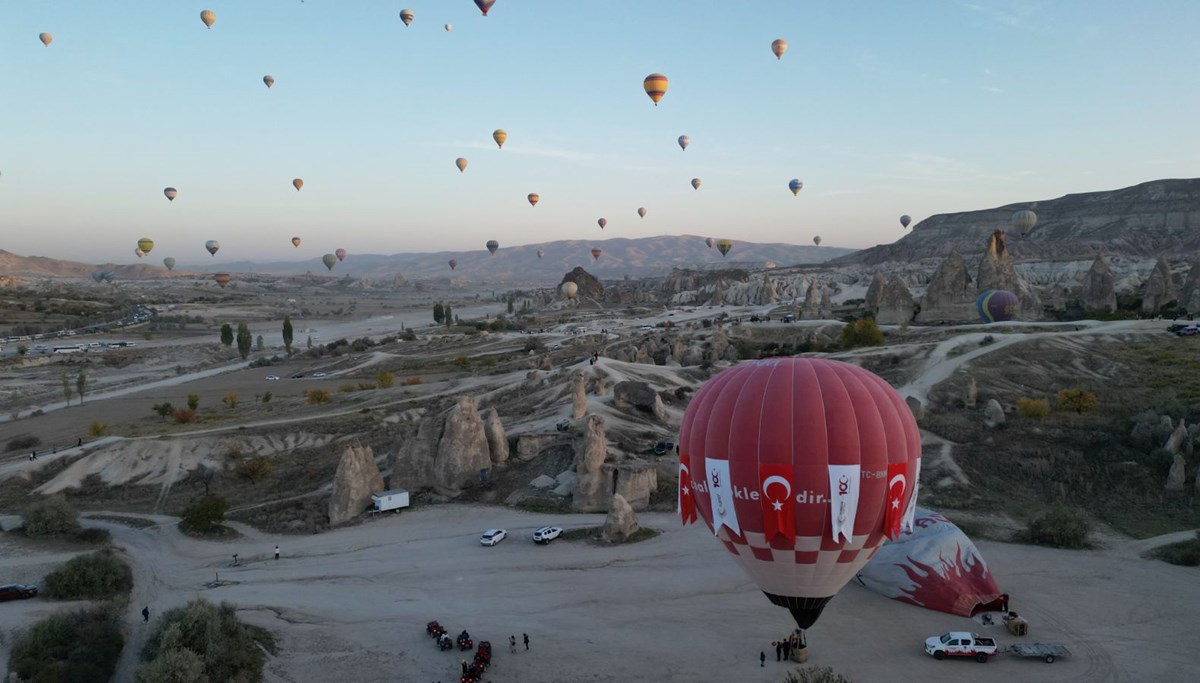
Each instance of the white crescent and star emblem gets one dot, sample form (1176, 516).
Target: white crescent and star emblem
(899, 478)
(776, 504)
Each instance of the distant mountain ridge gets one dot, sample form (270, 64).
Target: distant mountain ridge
(635, 257)
(1145, 220)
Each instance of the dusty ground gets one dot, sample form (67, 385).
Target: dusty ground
(352, 604)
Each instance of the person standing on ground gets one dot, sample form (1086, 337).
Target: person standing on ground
(146, 613)
(526, 635)
(787, 651)
(778, 651)
(277, 552)
(762, 659)
(464, 666)
(512, 644)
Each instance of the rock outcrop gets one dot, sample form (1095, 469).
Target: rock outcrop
(993, 414)
(1176, 477)
(592, 489)
(497, 440)
(950, 296)
(1189, 299)
(874, 291)
(589, 286)
(412, 463)
(970, 393)
(636, 480)
(530, 445)
(915, 407)
(462, 451)
(631, 395)
(997, 271)
(356, 479)
(1175, 442)
(1099, 287)
(895, 303)
(578, 395)
(621, 522)
(812, 302)
(1159, 289)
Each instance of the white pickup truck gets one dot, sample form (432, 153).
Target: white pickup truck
(960, 644)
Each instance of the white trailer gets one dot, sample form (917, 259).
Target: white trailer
(394, 499)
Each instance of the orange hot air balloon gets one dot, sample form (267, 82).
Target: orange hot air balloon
(500, 135)
(642, 212)
(46, 39)
(534, 198)
(222, 279)
(461, 163)
(779, 46)
(297, 183)
(656, 87)
(602, 222)
(209, 17)
(596, 251)
(295, 241)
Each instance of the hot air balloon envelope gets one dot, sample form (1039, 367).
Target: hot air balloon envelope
(212, 246)
(684, 141)
(778, 47)
(169, 262)
(499, 135)
(461, 163)
(933, 565)
(138, 252)
(208, 17)
(46, 39)
(295, 241)
(406, 15)
(596, 251)
(341, 254)
(642, 212)
(170, 193)
(602, 222)
(801, 467)
(221, 279)
(297, 183)
(453, 263)
(656, 86)
(817, 240)
(905, 220)
(541, 253)
(329, 260)
(269, 80)
(724, 246)
(1024, 220)
(533, 198)
(709, 242)
(997, 305)
(795, 186)
(696, 183)
(569, 289)
(448, 27)
(145, 244)
(484, 5)
(492, 246)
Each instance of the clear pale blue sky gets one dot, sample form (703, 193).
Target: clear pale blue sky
(880, 107)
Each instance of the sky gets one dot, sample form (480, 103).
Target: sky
(881, 108)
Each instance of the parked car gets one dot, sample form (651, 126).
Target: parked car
(17, 591)
(272, 378)
(547, 534)
(1189, 331)
(1175, 327)
(318, 374)
(960, 644)
(493, 536)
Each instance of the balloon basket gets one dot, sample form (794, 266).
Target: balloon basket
(800, 655)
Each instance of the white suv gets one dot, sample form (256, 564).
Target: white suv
(547, 534)
(493, 536)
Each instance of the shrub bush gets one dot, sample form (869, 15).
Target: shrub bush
(347, 389)
(385, 379)
(1185, 553)
(230, 400)
(1060, 527)
(227, 649)
(77, 647)
(862, 332)
(815, 674)
(204, 515)
(413, 381)
(1033, 408)
(183, 415)
(316, 397)
(22, 443)
(95, 576)
(50, 517)
(266, 397)
(97, 428)
(254, 470)
(1076, 399)
(193, 401)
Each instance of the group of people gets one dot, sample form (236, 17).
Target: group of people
(794, 642)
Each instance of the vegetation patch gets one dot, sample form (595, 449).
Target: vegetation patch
(1184, 553)
(81, 646)
(205, 642)
(95, 576)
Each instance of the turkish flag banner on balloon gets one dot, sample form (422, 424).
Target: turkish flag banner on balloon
(894, 509)
(687, 504)
(778, 507)
(910, 514)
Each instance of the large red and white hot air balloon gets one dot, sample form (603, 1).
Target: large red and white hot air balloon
(801, 467)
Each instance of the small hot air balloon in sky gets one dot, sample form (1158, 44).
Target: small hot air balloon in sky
(656, 86)
(453, 263)
(208, 17)
(541, 253)
(298, 183)
(461, 163)
(569, 289)
(484, 5)
(170, 193)
(499, 135)
(602, 222)
(684, 141)
(533, 198)
(817, 240)
(295, 241)
(145, 244)
(448, 27)
(492, 246)
(329, 260)
(269, 80)
(212, 246)
(905, 220)
(169, 262)
(795, 186)
(406, 15)
(709, 242)
(596, 251)
(831, 454)
(138, 252)
(724, 246)
(696, 183)
(46, 39)
(778, 47)
(222, 279)
(341, 254)
(1023, 221)
(642, 212)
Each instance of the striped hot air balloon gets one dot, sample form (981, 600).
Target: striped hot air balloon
(656, 86)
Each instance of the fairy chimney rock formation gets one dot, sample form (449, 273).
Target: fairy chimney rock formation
(593, 486)
(497, 440)
(621, 522)
(998, 271)
(1159, 289)
(578, 395)
(1190, 299)
(950, 295)
(1099, 287)
(895, 303)
(356, 479)
(874, 291)
(462, 451)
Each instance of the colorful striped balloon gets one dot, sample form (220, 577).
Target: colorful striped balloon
(997, 305)
(656, 86)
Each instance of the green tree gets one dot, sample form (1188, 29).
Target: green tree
(204, 514)
(1076, 399)
(81, 385)
(193, 401)
(309, 342)
(266, 397)
(81, 647)
(439, 313)
(66, 382)
(510, 305)
(228, 649)
(176, 665)
(164, 409)
(243, 340)
(258, 343)
(449, 315)
(287, 334)
(22, 349)
(52, 516)
(95, 576)
(227, 334)
(1033, 408)
(862, 332)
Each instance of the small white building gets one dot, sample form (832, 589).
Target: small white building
(393, 499)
